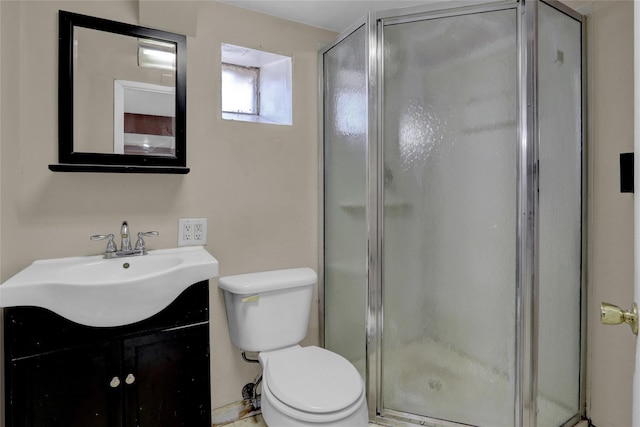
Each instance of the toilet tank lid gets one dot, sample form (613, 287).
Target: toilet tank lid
(265, 281)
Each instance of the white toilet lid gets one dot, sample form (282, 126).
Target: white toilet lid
(313, 379)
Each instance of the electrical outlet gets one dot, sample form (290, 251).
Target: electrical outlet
(198, 231)
(192, 231)
(187, 232)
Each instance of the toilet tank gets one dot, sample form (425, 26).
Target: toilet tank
(268, 310)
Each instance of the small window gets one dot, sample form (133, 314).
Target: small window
(256, 86)
(240, 89)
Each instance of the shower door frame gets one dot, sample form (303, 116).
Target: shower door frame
(526, 340)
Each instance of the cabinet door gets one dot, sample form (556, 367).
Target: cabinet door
(66, 388)
(167, 378)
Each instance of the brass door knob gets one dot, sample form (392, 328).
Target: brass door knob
(613, 315)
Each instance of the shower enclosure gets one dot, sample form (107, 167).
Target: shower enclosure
(451, 212)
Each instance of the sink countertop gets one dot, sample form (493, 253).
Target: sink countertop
(95, 291)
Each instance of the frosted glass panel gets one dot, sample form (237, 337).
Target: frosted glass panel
(345, 150)
(559, 62)
(239, 89)
(449, 254)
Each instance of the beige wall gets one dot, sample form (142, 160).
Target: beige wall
(1, 154)
(255, 183)
(610, 354)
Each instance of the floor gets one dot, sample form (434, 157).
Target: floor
(257, 422)
(249, 422)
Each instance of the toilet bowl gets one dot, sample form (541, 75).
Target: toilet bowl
(308, 386)
(268, 313)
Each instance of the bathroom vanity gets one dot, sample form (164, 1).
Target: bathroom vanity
(152, 373)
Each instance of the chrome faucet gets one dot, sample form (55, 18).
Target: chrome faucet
(125, 242)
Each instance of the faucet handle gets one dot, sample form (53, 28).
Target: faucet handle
(111, 244)
(140, 244)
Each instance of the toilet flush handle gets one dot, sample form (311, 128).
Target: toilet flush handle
(251, 298)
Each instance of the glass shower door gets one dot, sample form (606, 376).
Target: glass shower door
(560, 214)
(449, 219)
(345, 197)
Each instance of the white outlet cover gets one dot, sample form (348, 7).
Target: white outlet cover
(192, 231)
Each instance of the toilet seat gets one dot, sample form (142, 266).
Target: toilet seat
(270, 403)
(312, 383)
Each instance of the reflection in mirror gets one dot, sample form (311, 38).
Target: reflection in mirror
(156, 54)
(122, 95)
(143, 119)
(94, 91)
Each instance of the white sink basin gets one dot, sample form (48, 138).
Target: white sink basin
(94, 291)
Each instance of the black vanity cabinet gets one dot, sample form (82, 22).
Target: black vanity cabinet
(154, 373)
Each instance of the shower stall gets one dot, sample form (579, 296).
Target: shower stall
(452, 212)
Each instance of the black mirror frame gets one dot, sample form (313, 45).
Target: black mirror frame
(74, 161)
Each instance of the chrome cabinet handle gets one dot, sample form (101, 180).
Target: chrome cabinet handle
(115, 382)
(130, 379)
(613, 315)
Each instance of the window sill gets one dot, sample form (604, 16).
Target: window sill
(250, 118)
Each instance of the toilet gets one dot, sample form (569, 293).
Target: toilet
(268, 313)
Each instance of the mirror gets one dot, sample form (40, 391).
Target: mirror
(122, 97)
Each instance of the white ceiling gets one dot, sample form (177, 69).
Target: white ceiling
(336, 15)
